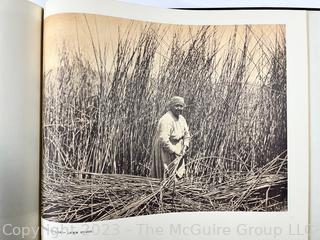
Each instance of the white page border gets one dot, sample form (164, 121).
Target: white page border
(218, 3)
(314, 51)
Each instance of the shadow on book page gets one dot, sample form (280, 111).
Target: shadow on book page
(142, 118)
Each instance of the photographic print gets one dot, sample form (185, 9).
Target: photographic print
(145, 118)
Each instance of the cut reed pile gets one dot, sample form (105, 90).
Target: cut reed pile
(108, 196)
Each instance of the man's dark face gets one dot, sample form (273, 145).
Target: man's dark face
(177, 109)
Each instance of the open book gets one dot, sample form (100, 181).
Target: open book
(127, 122)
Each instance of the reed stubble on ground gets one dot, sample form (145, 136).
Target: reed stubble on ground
(100, 116)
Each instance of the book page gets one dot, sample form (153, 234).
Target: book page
(174, 124)
(20, 71)
(314, 58)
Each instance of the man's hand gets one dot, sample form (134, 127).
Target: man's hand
(184, 150)
(165, 167)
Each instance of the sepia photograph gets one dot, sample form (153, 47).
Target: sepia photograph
(144, 118)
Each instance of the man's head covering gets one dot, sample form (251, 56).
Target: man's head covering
(176, 100)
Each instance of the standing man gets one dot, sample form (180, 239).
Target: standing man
(170, 142)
